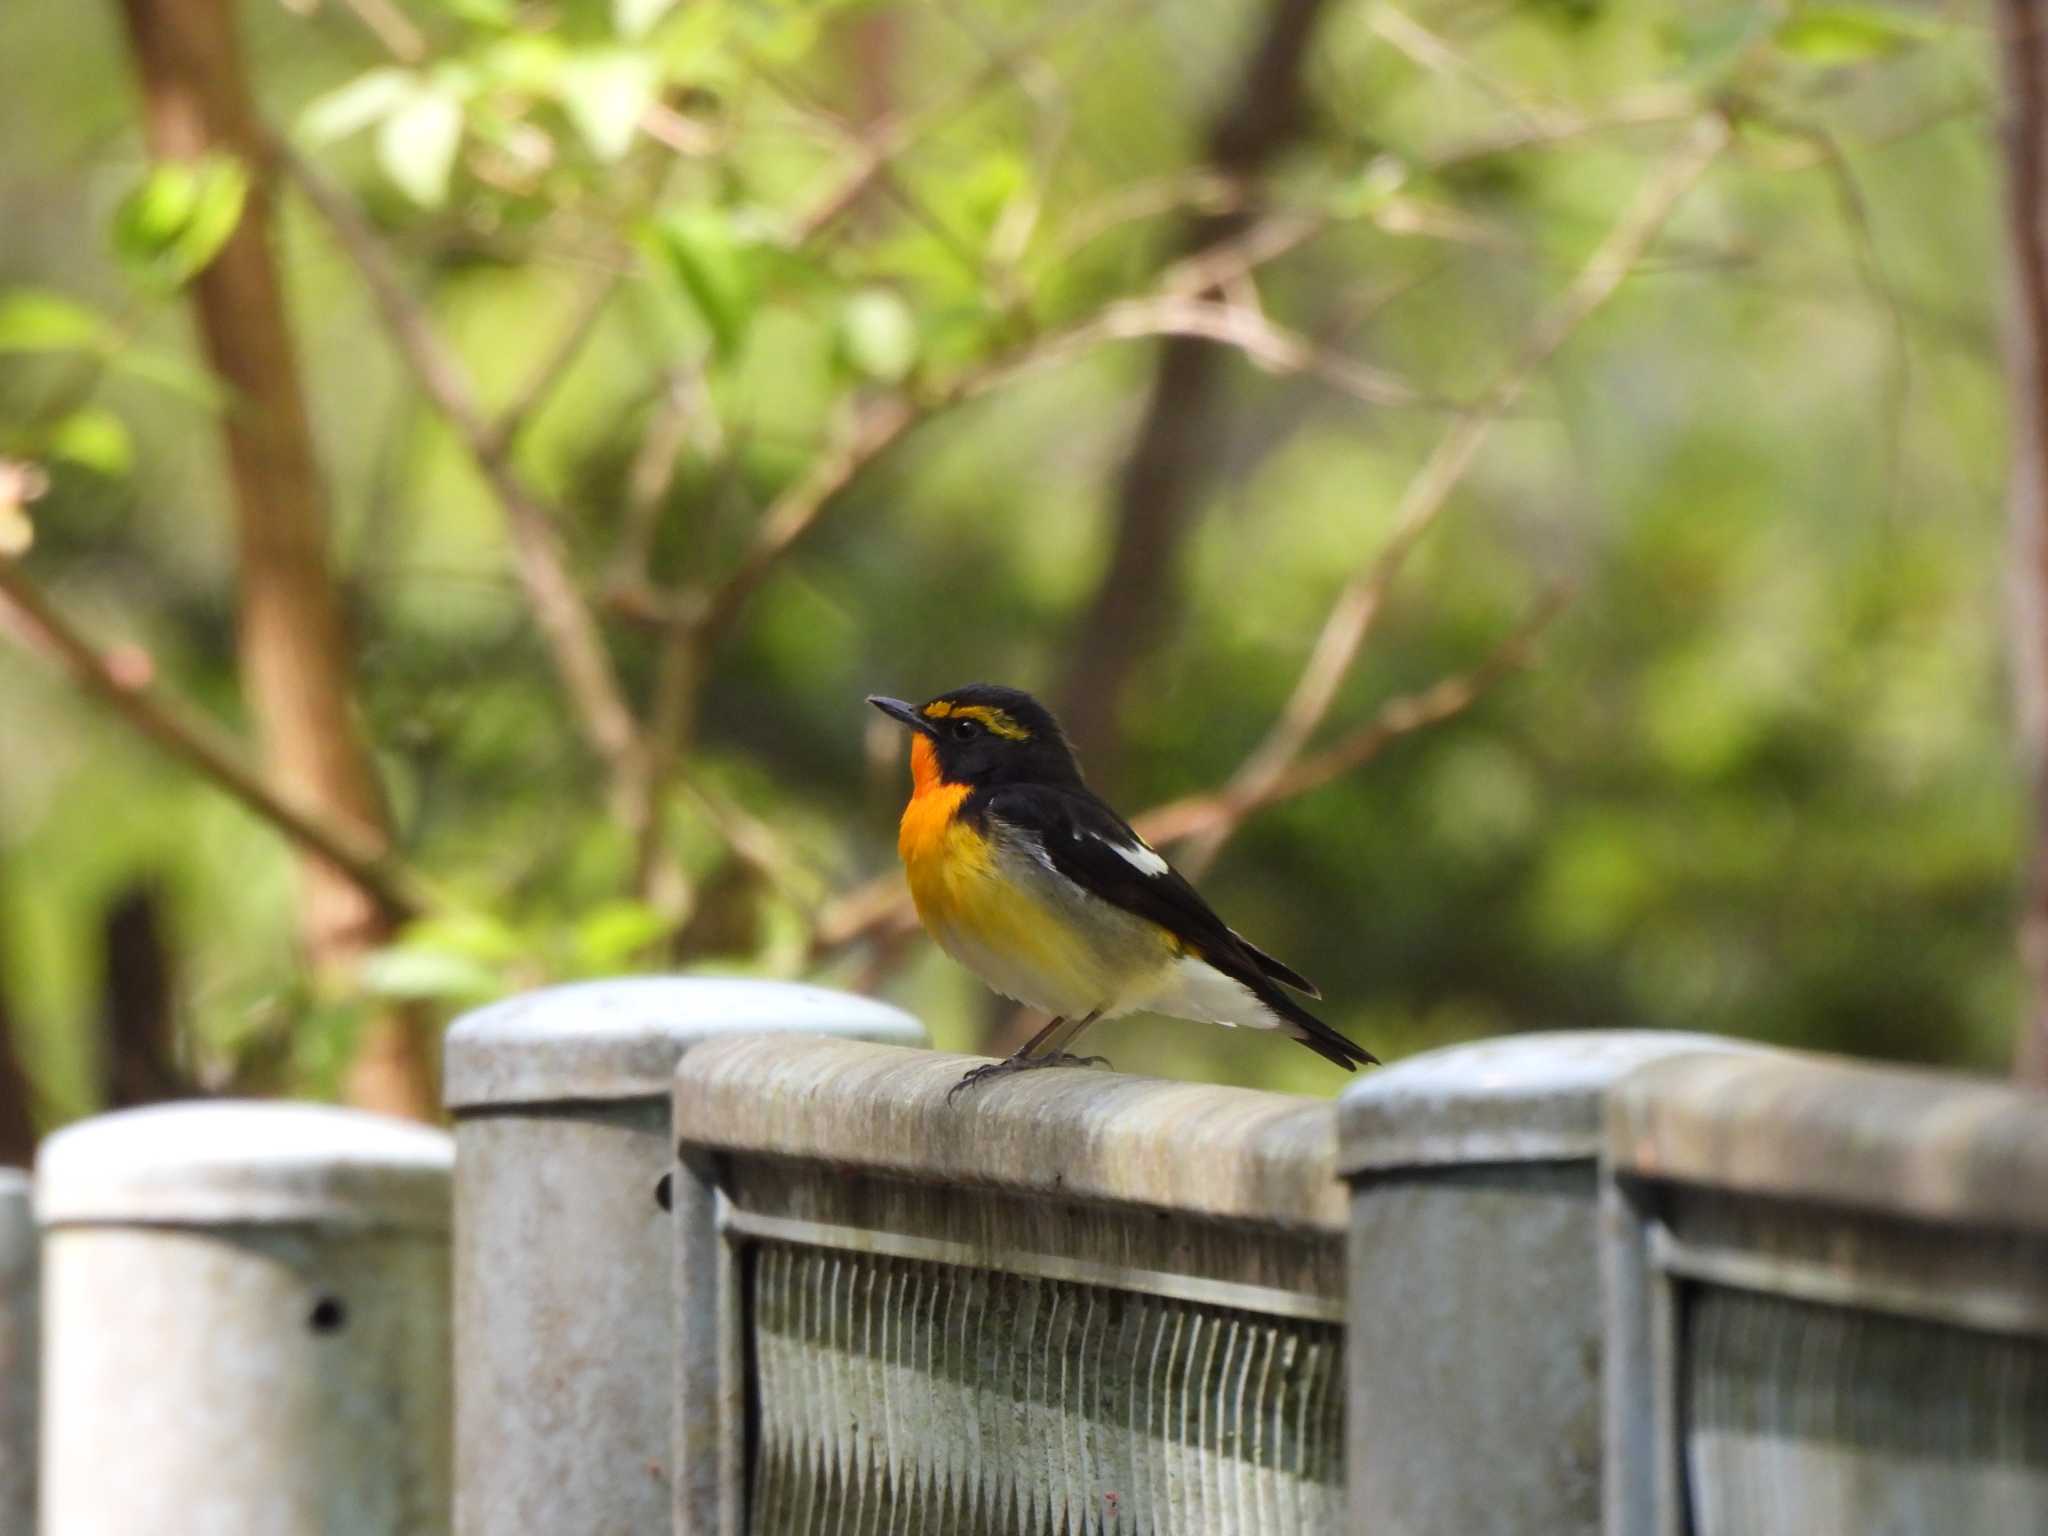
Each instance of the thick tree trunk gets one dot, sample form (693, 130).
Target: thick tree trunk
(17, 1098)
(1174, 454)
(293, 646)
(2025, 49)
(138, 1004)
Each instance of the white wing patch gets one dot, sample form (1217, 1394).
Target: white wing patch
(1137, 855)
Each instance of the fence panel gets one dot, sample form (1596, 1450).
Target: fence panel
(1830, 1292)
(1066, 1302)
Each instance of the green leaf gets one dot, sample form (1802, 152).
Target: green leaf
(405, 972)
(485, 13)
(717, 268)
(475, 935)
(878, 335)
(38, 320)
(176, 221)
(348, 109)
(93, 438)
(635, 18)
(416, 145)
(1369, 192)
(1850, 34)
(615, 936)
(524, 61)
(605, 95)
(1712, 45)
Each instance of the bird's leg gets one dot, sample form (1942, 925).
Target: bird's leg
(1030, 1047)
(1056, 1054)
(1029, 1058)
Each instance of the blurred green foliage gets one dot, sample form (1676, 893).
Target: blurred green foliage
(1760, 783)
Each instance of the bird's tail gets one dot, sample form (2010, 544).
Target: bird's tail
(1330, 1044)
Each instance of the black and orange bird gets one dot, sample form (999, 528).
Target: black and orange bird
(1026, 877)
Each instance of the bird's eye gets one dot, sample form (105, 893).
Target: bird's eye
(963, 730)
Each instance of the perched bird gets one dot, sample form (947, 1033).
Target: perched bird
(1029, 880)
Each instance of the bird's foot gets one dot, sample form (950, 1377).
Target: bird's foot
(1021, 1063)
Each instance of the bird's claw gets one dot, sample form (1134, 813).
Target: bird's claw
(983, 1073)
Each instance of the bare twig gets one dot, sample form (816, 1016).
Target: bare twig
(1425, 49)
(1202, 815)
(1271, 345)
(872, 427)
(361, 852)
(1358, 605)
(566, 622)
(651, 477)
(392, 28)
(1643, 109)
(886, 140)
(588, 309)
(1241, 253)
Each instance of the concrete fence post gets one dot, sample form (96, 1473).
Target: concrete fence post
(1474, 1272)
(18, 1374)
(565, 1290)
(245, 1323)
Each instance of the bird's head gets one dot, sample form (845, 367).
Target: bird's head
(983, 734)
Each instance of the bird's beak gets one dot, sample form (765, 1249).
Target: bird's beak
(898, 710)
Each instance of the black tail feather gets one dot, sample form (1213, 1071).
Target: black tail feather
(1286, 975)
(1330, 1044)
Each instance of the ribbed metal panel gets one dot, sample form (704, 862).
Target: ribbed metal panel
(896, 1397)
(1804, 1418)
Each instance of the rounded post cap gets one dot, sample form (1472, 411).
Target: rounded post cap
(1511, 1099)
(241, 1162)
(609, 1040)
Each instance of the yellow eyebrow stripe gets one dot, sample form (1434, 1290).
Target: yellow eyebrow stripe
(995, 719)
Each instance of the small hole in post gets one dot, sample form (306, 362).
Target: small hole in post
(664, 1192)
(329, 1315)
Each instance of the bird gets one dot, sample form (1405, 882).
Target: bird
(1027, 878)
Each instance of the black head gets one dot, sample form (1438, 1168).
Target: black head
(985, 734)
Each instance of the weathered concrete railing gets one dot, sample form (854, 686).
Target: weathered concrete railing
(245, 1324)
(1754, 1293)
(1827, 1291)
(1475, 1284)
(1069, 1302)
(18, 1355)
(564, 1291)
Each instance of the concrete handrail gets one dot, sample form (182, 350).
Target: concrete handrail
(1229, 1153)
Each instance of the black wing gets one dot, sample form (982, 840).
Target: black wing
(1092, 846)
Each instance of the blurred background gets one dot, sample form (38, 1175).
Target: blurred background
(1513, 486)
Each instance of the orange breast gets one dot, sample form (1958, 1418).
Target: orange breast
(937, 850)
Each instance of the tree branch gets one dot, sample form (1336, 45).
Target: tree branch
(1277, 770)
(1160, 489)
(1270, 345)
(1357, 608)
(1201, 816)
(2024, 49)
(588, 309)
(575, 643)
(360, 852)
(293, 648)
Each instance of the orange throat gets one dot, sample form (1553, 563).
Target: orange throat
(921, 836)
